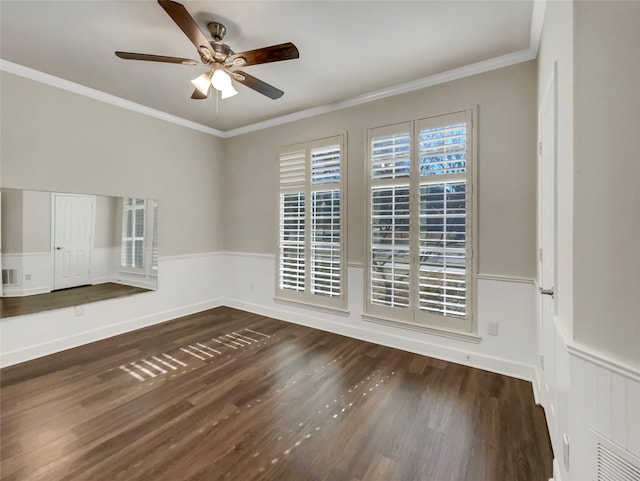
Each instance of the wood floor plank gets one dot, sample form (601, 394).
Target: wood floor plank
(229, 395)
(20, 306)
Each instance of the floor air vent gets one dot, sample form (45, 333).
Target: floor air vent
(9, 277)
(615, 463)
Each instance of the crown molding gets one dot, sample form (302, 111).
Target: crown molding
(440, 78)
(73, 87)
(537, 20)
(443, 77)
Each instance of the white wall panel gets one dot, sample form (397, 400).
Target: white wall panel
(603, 397)
(633, 417)
(36, 266)
(251, 280)
(617, 405)
(187, 284)
(603, 405)
(104, 264)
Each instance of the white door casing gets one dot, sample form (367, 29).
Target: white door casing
(73, 220)
(547, 219)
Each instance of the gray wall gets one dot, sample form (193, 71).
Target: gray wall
(607, 175)
(506, 100)
(11, 221)
(36, 221)
(107, 232)
(59, 141)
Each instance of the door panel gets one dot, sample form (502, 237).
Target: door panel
(547, 198)
(73, 229)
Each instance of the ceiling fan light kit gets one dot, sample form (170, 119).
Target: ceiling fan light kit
(218, 57)
(229, 92)
(221, 81)
(202, 83)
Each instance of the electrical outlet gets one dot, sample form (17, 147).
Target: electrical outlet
(252, 286)
(79, 310)
(27, 277)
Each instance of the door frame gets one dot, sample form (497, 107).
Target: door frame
(546, 323)
(53, 233)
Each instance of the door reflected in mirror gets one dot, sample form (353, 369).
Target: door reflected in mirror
(61, 249)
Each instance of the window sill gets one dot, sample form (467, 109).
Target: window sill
(137, 273)
(316, 307)
(436, 331)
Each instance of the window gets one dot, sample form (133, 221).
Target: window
(139, 248)
(133, 230)
(154, 239)
(311, 260)
(419, 265)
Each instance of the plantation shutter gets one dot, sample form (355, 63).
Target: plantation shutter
(311, 266)
(390, 249)
(292, 262)
(442, 159)
(154, 240)
(133, 232)
(419, 266)
(326, 256)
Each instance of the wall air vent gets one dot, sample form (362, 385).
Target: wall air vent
(615, 463)
(9, 277)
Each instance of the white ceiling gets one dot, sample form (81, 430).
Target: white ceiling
(347, 48)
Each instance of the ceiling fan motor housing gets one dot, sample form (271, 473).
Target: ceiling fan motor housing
(221, 51)
(217, 31)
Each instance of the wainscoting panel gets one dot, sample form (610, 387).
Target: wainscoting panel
(104, 264)
(34, 273)
(187, 284)
(595, 396)
(605, 399)
(508, 302)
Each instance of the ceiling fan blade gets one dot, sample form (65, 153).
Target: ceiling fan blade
(197, 95)
(156, 58)
(257, 85)
(187, 24)
(275, 53)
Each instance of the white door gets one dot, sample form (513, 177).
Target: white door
(547, 195)
(72, 240)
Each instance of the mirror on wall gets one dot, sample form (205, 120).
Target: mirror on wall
(63, 249)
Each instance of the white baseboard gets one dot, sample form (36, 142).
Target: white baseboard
(556, 471)
(472, 359)
(536, 384)
(10, 291)
(103, 280)
(406, 343)
(64, 343)
(142, 283)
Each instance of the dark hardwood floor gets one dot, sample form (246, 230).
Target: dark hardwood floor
(20, 306)
(227, 395)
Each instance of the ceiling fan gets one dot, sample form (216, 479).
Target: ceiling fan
(219, 57)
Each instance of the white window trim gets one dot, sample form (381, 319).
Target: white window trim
(332, 305)
(468, 328)
(436, 331)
